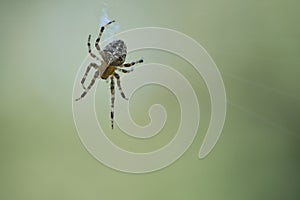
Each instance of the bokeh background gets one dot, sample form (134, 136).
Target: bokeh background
(256, 46)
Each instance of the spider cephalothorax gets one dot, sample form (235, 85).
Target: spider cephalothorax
(113, 57)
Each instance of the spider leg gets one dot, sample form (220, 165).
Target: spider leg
(132, 63)
(96, 75)
(94, 65)
(119, 85)
(100, 34)
(125, 70)
(112, 91)
(89, 49)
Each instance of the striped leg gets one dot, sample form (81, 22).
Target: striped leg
(112, 91)
(125, 70)
(94, 65)
(96, 75)
(89, 49)
(132, 63)
(100, 34)
(119, 85)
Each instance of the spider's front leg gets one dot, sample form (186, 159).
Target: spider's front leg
(125, 70)
(112, 91)
(119, 85)
(94, 65)
(96, 75)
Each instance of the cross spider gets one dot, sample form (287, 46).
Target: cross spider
(113, 57)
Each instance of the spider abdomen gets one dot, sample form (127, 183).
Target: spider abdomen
(115, 53)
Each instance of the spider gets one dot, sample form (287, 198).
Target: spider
(113, 57)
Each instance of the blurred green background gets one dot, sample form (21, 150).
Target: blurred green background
(255, 44)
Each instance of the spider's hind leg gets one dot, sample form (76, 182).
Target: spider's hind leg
(89, 49)
(132, 63)
(100, 34)
(119, 85)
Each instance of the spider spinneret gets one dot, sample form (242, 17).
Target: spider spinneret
(113, 57)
